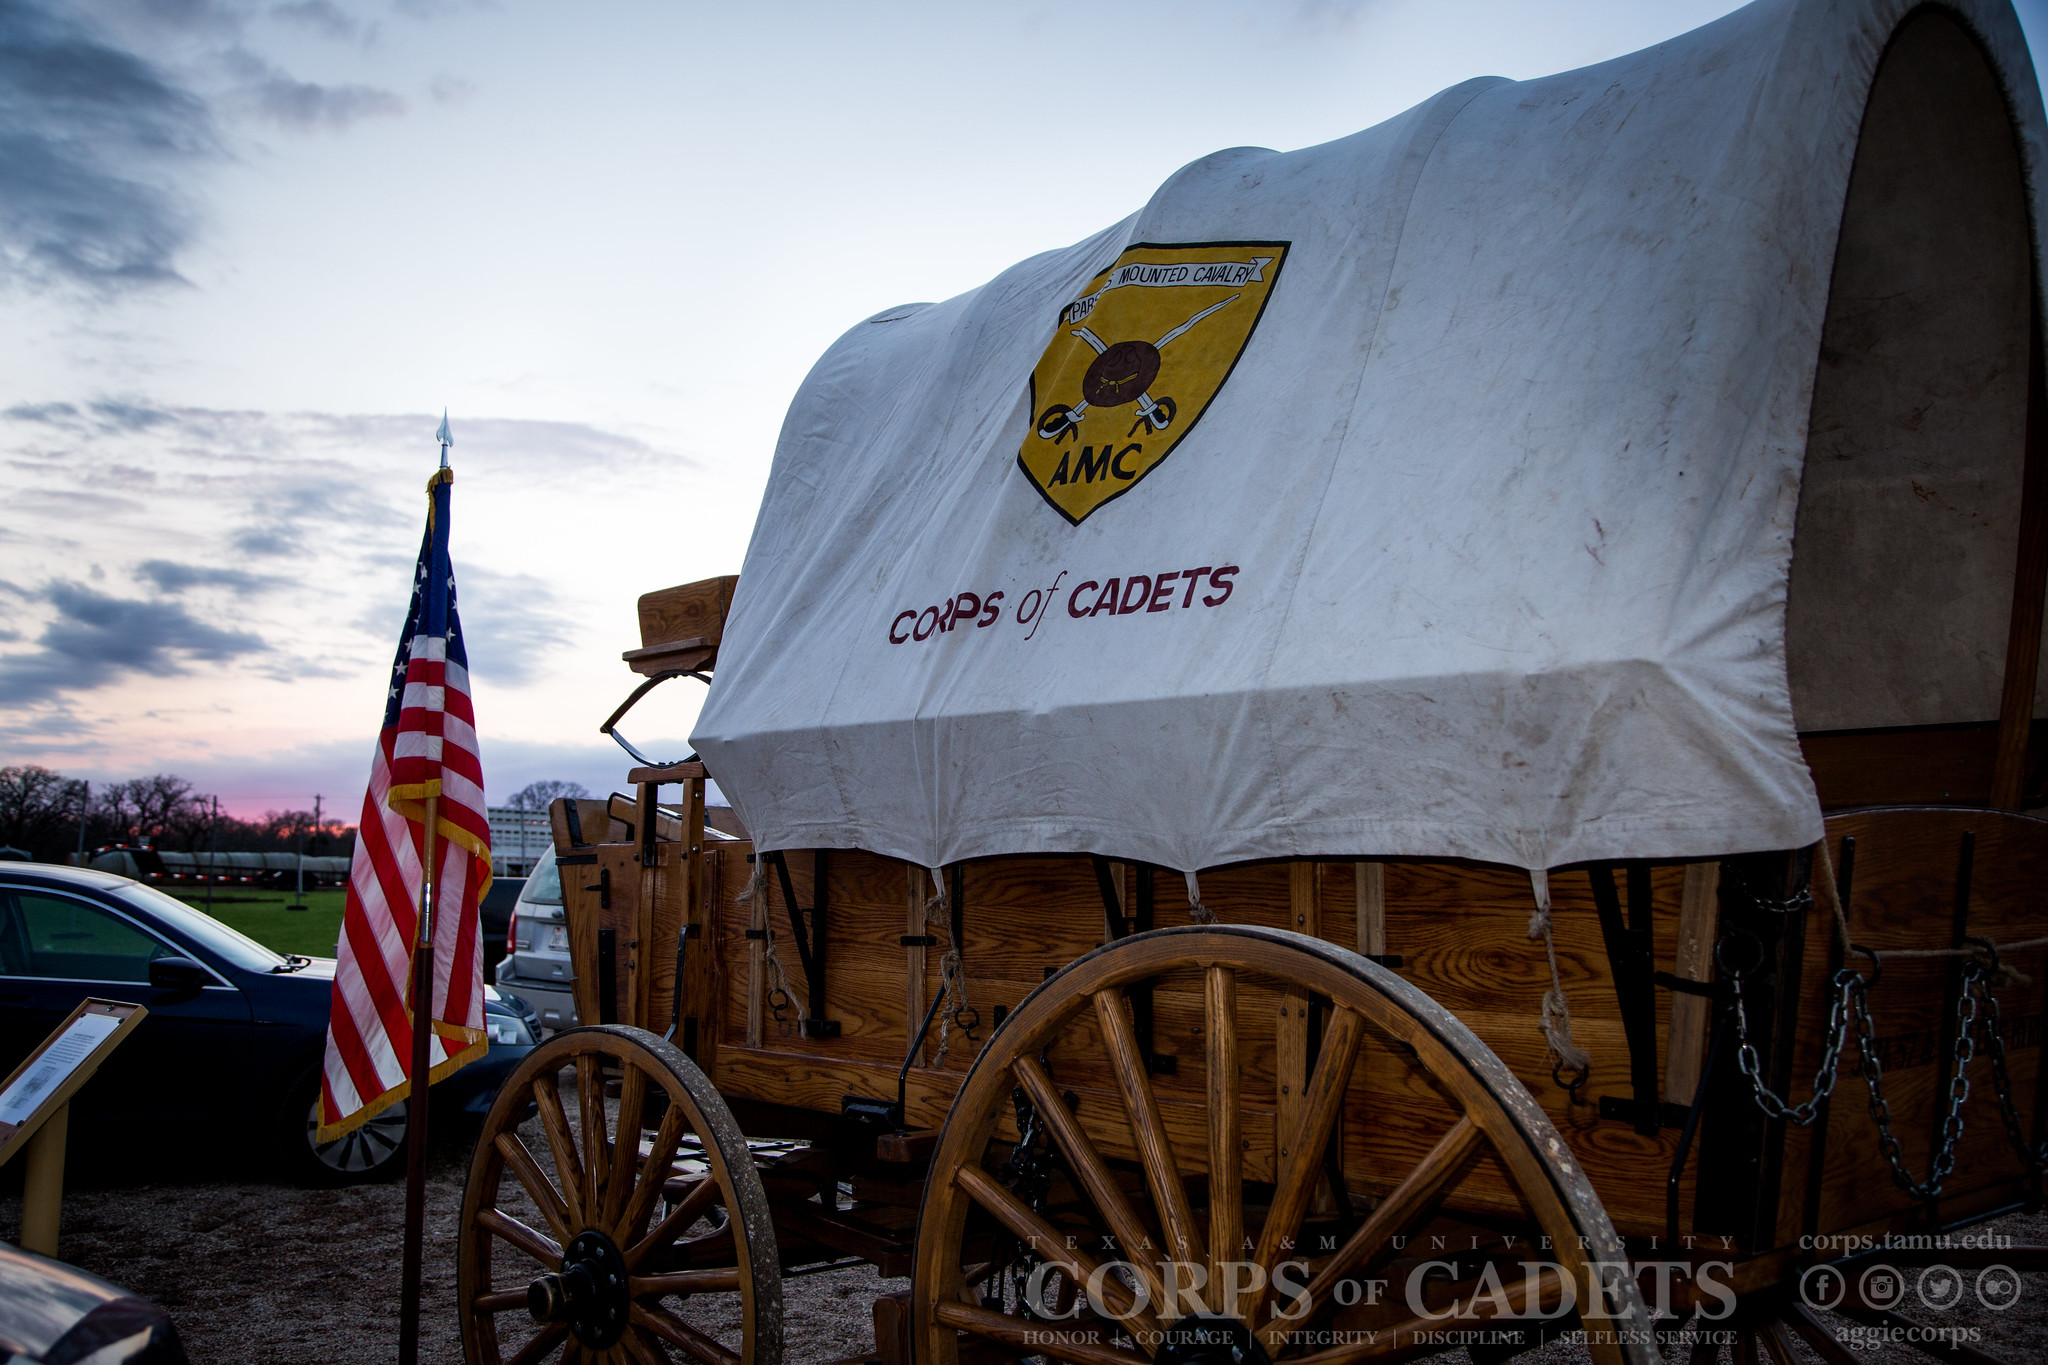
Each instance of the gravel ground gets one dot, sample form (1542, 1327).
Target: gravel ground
(256, 1271)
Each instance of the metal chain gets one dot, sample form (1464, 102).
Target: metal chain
(2001, 1081)
(1958, 1088)
(1746, 1060)
(1851, 1000)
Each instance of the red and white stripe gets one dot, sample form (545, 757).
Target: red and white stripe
(369, 1038)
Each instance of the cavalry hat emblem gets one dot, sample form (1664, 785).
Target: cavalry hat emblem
(1135, 362)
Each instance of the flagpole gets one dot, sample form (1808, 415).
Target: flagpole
(422, 1010)
(416, 1103)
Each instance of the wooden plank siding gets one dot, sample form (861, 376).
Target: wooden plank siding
(1461, 933)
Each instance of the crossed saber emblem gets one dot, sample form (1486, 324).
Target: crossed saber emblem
(1120, 370)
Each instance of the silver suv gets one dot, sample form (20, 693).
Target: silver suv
(536, 965)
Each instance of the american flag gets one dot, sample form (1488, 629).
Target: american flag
(427, 747)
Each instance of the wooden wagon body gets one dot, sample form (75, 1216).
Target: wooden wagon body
(830, 1036)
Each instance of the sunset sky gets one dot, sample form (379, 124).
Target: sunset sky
(248, 251)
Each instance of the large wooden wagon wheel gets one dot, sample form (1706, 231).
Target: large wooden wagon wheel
(634, 1229)
(1045, 1197)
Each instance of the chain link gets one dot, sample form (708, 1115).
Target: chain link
(1958, 1088)
(1851, 1001)
(1746, 1060)
(2001, 1081)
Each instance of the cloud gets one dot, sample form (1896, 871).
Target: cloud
(173, 577)
(438, 9)
(448, 89)
(304, 522)
(510, 623)
(267, 540)
(324, 18)
(178, 16)
(304, 107)
(96, 639)
(88, 133)
(278, 97)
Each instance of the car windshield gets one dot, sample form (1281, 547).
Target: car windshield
(544, 887)
(210, 933)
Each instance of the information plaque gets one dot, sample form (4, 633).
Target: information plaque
(66, 1060)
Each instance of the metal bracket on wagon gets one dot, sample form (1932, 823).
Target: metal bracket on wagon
(610, 727)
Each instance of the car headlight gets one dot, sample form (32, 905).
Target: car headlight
(508, 1029)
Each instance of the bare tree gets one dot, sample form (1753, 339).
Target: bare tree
(162, 805)
(287, 826)
(34, 802)
(114, 811)
(541, 795)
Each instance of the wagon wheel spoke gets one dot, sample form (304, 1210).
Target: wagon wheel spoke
(683, 1282)
(1155, 1151)
(541, 1249)
(641, 1347)
(1302, 1150)
(1021, 1336)
(1088, 1167)
(694, 1205)
(1226, 1138)
(596, 1153)
(1049, 1243)
(1817, 1335)
(544, 1341)
(547, 1097)
(654, 1174)
(1777, 1343)
(625, 1147)
(538, 1186)
(502, 1301)
(1405, 1208)
(661, 1323)
(644, 1347)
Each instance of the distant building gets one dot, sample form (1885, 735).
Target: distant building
(518, 838)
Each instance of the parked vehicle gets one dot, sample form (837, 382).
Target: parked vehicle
(536, 962)
(235, 1034)
(496, 919)
(52, 1312)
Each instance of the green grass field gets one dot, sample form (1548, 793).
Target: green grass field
(262, 916)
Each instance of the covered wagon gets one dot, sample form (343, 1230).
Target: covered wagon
(1353, 760)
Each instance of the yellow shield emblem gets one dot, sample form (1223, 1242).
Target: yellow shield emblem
(1136, 361)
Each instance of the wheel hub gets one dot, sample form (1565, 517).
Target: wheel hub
(589, 1293)
(1207, 1339)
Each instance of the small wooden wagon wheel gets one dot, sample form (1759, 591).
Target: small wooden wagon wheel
(604, 1245)
(1046, 1196)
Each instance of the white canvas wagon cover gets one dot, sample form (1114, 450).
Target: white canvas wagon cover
(1431, 492)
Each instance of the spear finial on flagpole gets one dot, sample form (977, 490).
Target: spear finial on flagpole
(441, 435)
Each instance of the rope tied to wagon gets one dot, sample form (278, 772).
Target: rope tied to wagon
(1556, 1018)
(1988, 953)
(778, 977)
(938, 912)
(1198, 912)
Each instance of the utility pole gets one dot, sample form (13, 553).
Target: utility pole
(84, 804)
(299, 901)
(212, 853)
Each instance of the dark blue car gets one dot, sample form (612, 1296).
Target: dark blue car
(235, 1032)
